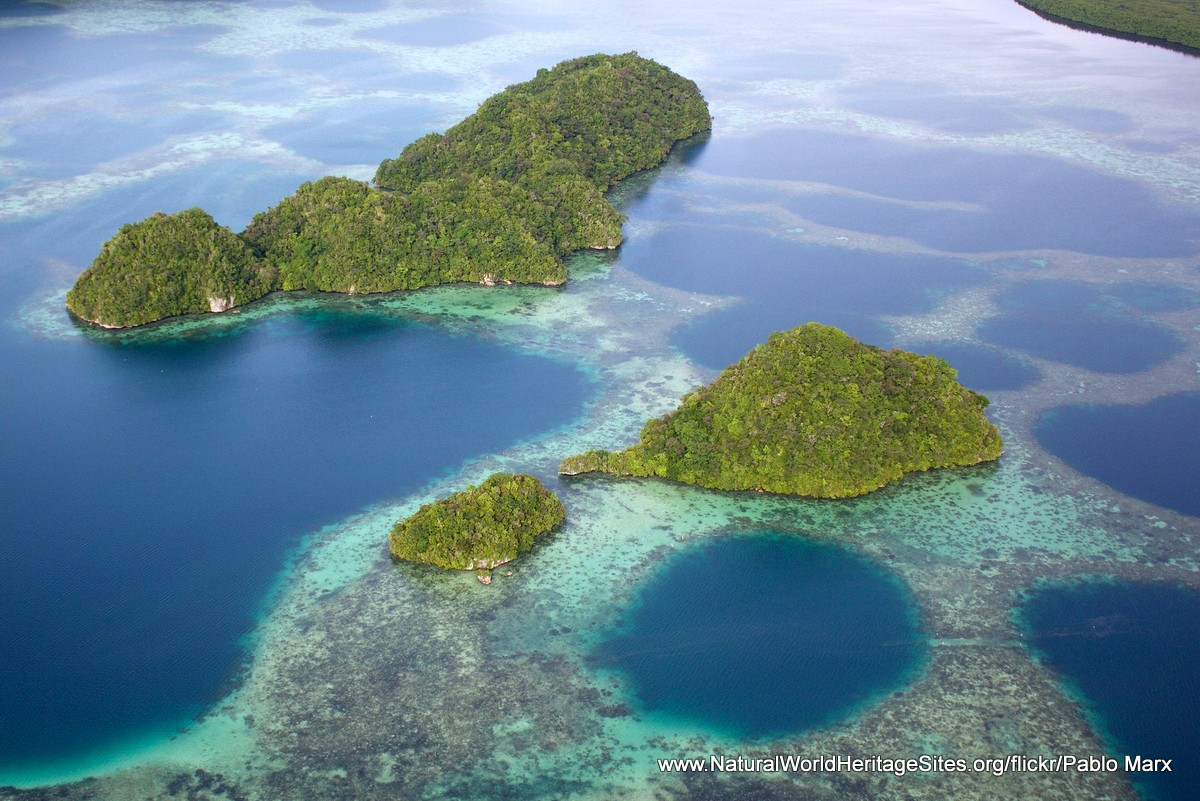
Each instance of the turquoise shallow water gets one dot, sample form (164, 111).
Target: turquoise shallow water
(193, 533)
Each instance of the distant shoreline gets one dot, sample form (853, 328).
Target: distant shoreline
(1116, 33)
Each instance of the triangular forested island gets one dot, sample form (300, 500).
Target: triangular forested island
(499, 198)
(811, 412)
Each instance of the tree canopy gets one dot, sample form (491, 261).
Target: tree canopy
(480, 527)
(499, 198)
(601, 117)
(340, 235)
(168, 265)
(812, 412)
(1167, 22)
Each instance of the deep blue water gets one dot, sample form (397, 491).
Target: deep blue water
(1132, 652)
(1152, 296)
(785, 283)
(983, 368)
(1150, 451)
(438, 32)
(354, 138)
(152, 492)
(1011, 202)
(938, 106)
(765, 634)
(153, 489)
(1017, 201)
(1099, 328)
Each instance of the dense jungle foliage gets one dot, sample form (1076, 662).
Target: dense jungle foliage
(601, 117)
(340, 235)
(1170, 21)
(812, 412)
(480, 527)
(499, 198)
(168, 265)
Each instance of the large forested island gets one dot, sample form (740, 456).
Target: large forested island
(480, 527)
(812, 412)
(499, 198)
(1172, 23)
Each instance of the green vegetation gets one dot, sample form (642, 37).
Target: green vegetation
(812, 412)
(340, 235)
(167, 265)
(480, 527)
(1170, 22)
(600, 117)
(499, 198)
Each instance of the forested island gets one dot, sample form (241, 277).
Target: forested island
(480, 527)
(1170, 23)
(811, 412)
(499, 198)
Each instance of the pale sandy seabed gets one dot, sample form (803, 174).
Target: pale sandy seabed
(372, 680)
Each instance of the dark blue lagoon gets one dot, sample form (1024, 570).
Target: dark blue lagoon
(784, 283)
(1098, 328)
(984, 368)
(161, 483)
(1150, 451)
(1001, 201)
(765, 634)
(1131, 652)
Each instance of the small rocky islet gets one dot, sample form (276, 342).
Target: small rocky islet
(811, 412)
(481, 527)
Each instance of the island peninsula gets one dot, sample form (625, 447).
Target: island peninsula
(811, 412)
(481, 527)
(499, 198)
(1174, 24)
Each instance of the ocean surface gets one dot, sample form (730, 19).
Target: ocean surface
(162, 485)
(1099, 635)
(195, 591)
(765, 634)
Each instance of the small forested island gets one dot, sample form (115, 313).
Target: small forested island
(480, 527)
(811, 412)
(1170, 23)
(499, 198)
